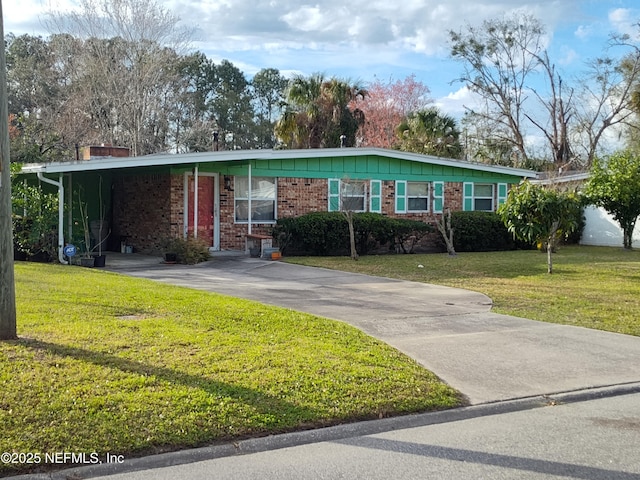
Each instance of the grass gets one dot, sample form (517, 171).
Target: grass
(593, 287)
(107, 363)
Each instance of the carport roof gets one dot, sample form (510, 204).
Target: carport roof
(243, 156)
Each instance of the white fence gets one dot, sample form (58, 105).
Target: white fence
(602, 230)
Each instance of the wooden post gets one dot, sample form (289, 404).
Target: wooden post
(7, 282)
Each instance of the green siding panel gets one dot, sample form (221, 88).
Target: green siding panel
(362, 166)
(313, 164)
(289, 165)
(394, 166)
(383, 166)
(274, 165)
(301, 164)
(349, 164)
(369, 167)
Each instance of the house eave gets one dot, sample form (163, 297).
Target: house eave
(156, 160)
(575, 177)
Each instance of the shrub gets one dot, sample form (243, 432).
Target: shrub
(316, 233)
(35, 222)
(188, 250)
(481, 232)
(327, 233)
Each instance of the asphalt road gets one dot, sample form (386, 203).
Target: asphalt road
(591, 440)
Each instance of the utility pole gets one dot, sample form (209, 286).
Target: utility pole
(7, 281)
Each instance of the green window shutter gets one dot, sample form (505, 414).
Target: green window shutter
(503, 189)
(467, 204)
(438, 197)
(334, 195)
(401, 196)
(375, 198)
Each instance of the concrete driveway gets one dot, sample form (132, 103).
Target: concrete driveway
(452, 332)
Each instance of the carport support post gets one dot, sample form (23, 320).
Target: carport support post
(249, 200)
(60, 185)
(69, 192)
(185, 205)
(195, 201)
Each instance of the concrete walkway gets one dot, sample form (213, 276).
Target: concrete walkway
(452, 332)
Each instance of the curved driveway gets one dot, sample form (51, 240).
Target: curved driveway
(452, 332)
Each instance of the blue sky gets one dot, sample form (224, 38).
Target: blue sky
(364, 39)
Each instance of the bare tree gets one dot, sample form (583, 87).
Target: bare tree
(560, 110)
(123, 74)
(445, 229)
(606, 99)
(7, 282)
(498, 59)
(352, 196)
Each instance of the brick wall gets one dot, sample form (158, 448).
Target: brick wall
(150, 208)
(231, 235)
(295, 196)
(298, 196)
(141, 210)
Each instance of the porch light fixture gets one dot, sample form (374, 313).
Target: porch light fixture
(227, 182)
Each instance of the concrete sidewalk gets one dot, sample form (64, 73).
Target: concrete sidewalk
(452, 332)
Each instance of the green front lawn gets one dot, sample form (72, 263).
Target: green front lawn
(108, 363)
(594, 287)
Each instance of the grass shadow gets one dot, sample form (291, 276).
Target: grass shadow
(263, 403)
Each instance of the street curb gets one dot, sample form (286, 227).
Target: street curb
(338, 432)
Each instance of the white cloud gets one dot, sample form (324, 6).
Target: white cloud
(237, 25)
(624, 21)
(569, 56)
(583, 32)
(458, 102)
(360, 39)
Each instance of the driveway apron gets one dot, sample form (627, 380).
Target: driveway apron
(452, 332)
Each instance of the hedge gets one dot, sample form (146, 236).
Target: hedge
(327, 233)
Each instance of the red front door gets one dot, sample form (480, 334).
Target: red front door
(206, 205)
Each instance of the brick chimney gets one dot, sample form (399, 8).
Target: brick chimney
(104, 151)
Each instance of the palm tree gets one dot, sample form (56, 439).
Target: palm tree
(319, 111)
(340, 98)
(430, 132)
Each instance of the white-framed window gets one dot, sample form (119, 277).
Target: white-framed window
(263, 199)
(479, 196)
(347, 195)
(353, 195)
(418, 196)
